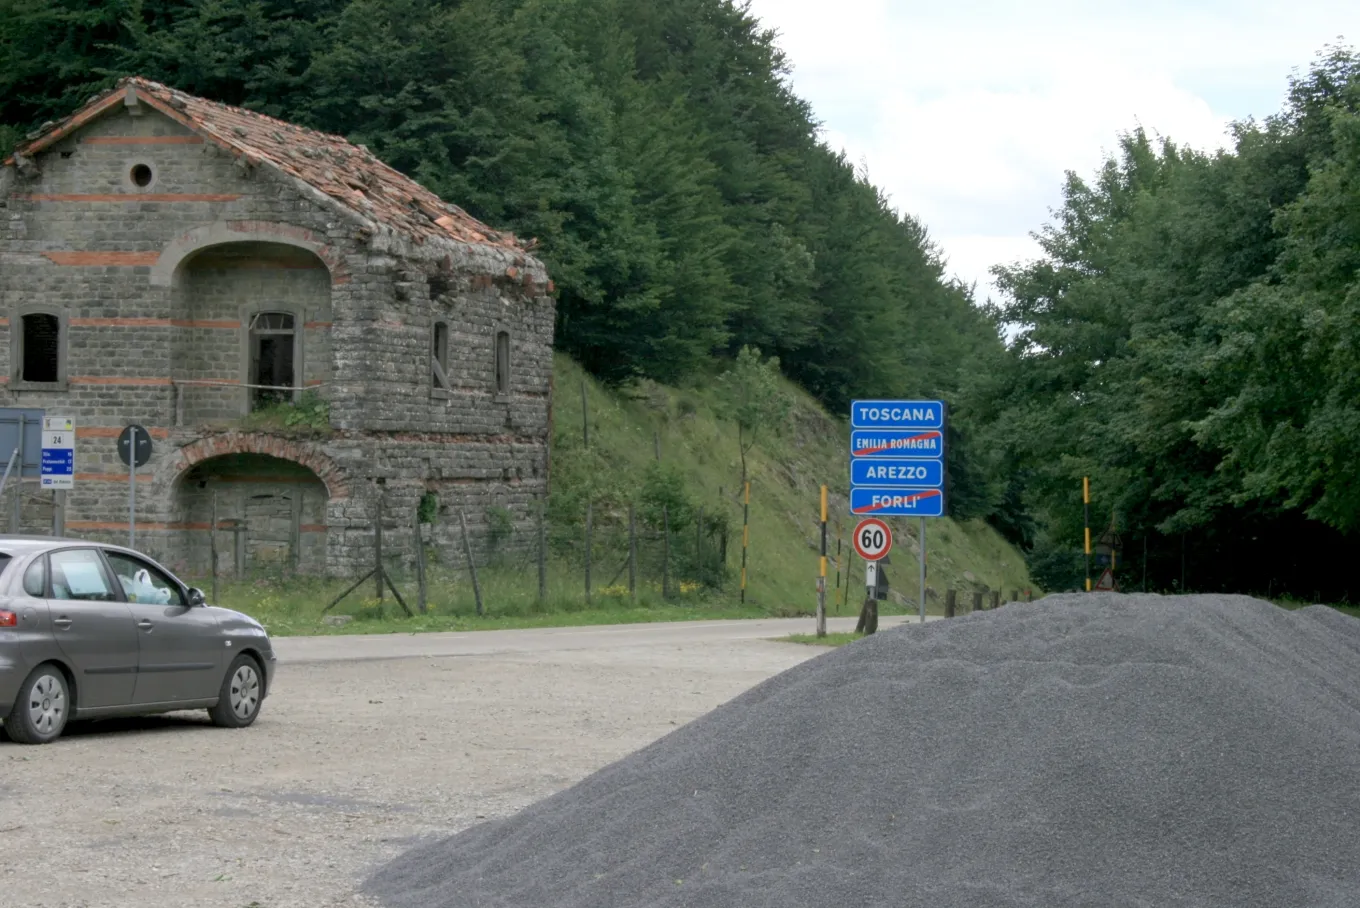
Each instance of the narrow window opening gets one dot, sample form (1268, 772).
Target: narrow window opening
(502, 362)
(272, 358)
(439, 357)
(41, 352)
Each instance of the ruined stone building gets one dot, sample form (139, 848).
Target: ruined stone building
(301, 328)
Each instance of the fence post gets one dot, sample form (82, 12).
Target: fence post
(996, 599)
(377, 546)
(585, 417)
(950, 598)
(589, 515)
(1015, 595)
(836, 597)
(212, 546)
(16, 513)
(542, 553)
(699, 547)
(632, 555)
(665, 553)
(821, 575)
(745, 536)
(422, 599)
(295, 530)
(977, 602)
(472, 566)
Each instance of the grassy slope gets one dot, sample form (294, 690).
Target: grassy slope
(786, 469)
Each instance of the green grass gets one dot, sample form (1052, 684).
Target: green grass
(294, 606)
(699, 468)
(786, 470)
(828, 640)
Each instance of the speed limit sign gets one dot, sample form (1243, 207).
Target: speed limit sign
(873, 539)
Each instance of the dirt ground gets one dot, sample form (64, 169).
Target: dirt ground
(348, 764)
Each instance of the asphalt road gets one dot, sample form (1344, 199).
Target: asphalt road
(358, 647)
(366, 745)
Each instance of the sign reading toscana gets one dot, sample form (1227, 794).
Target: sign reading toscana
(897, 458)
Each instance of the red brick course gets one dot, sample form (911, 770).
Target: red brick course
(285, 449)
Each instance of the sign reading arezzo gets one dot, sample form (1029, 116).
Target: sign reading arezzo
(897, 458)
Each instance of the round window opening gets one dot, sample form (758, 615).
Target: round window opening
(141, 175)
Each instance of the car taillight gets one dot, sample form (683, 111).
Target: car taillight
(8, 619)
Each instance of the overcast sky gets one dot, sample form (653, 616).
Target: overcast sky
(969, 112)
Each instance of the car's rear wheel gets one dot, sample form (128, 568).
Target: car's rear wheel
(41, 709)
(238, 702)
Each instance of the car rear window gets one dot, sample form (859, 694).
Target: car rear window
(4, 561)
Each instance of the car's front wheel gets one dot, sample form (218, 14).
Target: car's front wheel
(238, 702)
(41, 709)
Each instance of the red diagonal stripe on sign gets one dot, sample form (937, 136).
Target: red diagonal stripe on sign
(870, 452)
(929, 493)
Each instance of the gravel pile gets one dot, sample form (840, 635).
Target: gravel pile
(1095, 750)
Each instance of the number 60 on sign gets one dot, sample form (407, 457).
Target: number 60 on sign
(873, 539)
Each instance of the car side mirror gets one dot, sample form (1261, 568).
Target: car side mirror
(196, 596)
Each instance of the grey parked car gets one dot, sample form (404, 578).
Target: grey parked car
(90, 630)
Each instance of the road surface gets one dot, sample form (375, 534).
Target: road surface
(359, 647)
(366, 745)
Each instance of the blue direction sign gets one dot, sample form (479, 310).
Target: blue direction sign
(928, 443)
(897, 414)
(888, 472)
(897, 458)
(873, 502)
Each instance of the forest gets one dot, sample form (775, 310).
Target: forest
(1187, 339)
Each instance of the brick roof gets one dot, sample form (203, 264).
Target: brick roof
(347, 173)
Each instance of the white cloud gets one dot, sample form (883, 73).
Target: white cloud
(968, 114)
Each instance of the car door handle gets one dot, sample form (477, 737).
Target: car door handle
(144, 624)
(62, 623)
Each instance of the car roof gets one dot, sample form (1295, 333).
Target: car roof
(25, 544)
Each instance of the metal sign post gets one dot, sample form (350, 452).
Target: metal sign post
(897, 467)
(132, 491)
(923, 570)
(134, 449)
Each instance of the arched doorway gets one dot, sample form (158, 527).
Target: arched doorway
(271, 515)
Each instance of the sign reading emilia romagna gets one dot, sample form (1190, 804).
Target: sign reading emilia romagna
(897, 458)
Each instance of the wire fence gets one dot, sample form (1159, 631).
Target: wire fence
(614, 555)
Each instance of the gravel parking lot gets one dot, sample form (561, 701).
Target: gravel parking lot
(349, 763)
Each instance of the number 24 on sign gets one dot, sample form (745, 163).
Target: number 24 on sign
(873, 539)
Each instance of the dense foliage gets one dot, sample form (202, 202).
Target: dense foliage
(1190, 339)
(678, 188)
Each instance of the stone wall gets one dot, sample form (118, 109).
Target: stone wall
(153, 284)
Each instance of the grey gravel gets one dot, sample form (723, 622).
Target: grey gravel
(1082, 750)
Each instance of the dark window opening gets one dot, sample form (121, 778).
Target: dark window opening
(439, 357)
(502, 362)
(272, 358)
(41, 348)
(141, 175)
